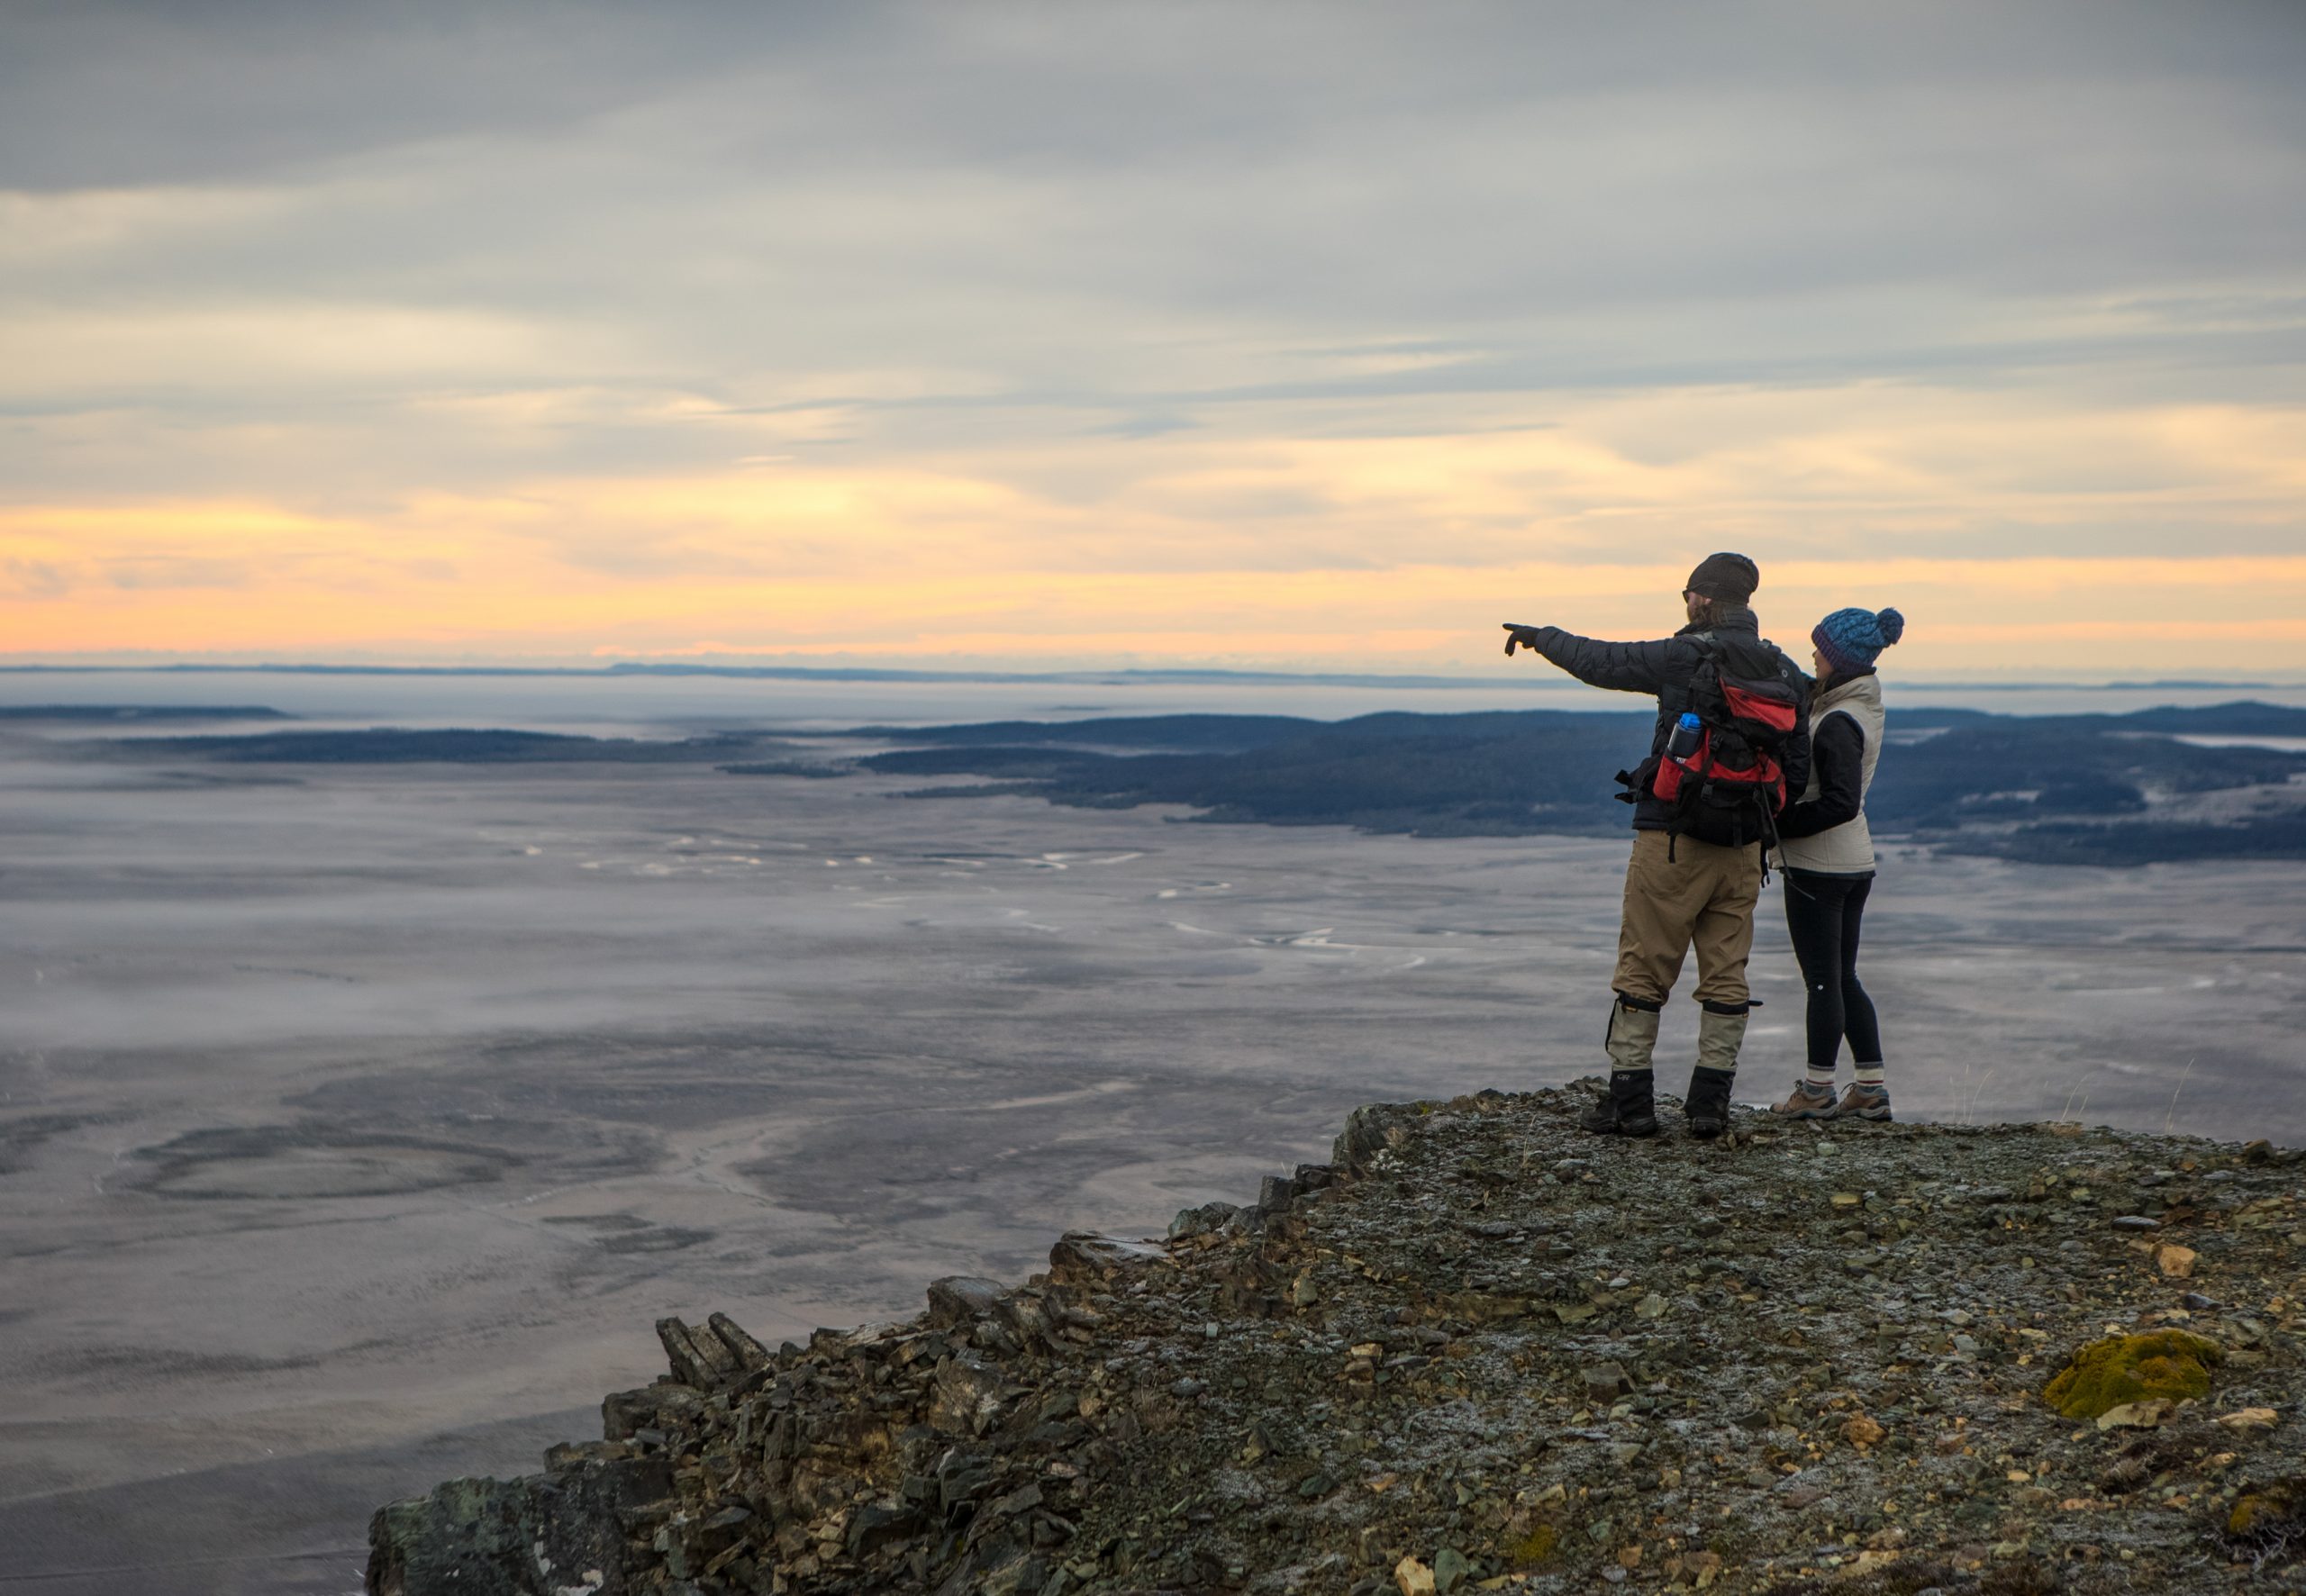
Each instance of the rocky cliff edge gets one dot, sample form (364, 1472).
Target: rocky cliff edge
(1479, 1350)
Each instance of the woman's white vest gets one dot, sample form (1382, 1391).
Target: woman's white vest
(1847, 850)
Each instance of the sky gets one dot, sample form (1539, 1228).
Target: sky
(1283, 336)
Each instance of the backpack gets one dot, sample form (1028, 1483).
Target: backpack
(1729, 789)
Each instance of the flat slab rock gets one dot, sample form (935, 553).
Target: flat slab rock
(1080, 1257)
(1484, 1351)
(962, 1298)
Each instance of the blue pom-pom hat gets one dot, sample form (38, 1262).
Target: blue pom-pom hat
(1853, 640)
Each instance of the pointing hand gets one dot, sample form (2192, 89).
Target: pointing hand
(1520, 636)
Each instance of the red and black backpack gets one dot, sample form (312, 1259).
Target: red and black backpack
(1728, 789)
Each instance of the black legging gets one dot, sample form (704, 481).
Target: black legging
(1823, 913)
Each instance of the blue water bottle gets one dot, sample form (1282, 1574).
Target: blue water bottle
(1683, 744)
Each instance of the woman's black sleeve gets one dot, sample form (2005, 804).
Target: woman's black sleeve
(1838, 754)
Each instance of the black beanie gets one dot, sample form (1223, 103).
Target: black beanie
(1730, 577)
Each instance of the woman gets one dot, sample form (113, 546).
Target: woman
(1826, 855)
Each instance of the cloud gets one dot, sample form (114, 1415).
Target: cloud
(98, 94)
(222, 349)
(701, 293)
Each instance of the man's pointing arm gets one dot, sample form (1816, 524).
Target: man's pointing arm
(1620, 668)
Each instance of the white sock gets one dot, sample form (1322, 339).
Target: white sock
(1870, 1075)
(1814, 1077)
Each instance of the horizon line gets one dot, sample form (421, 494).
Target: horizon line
(1121, 676)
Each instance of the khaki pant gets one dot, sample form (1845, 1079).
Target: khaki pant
(1705, 894)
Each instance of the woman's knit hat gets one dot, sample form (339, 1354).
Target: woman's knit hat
(1852, 640)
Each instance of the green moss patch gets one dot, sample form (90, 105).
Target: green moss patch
(2269, 1514)
(1535, 1546)
(2172, 1364)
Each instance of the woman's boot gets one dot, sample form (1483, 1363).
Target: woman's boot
(1864, 1099)
(1807, 1100)
(1630, 1108)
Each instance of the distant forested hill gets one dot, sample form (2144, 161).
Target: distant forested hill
(2159, 784)
(2076, 788)
(1436, 775)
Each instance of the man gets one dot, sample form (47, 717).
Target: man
(1679, 889)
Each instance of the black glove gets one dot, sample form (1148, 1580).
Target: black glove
(1525, 637)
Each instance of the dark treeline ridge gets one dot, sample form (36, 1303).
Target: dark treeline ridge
(1500, 772)
(2079, 789)
(2065, 788)
(1198, 734)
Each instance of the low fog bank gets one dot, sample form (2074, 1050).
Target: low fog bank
(343, 1109)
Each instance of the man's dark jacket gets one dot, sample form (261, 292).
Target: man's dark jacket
(1664, 669)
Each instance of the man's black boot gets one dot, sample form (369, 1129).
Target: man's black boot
(1627, 1109)
(1707, 1107)
(1721, 1032)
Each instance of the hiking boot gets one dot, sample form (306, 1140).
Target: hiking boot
(1627, 1109)
(1630, 1109)
(1807, 1102)
(1706, 1108)
(1721, 1032)
(1865, 1100)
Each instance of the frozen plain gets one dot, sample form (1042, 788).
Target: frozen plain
(356, 1124)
